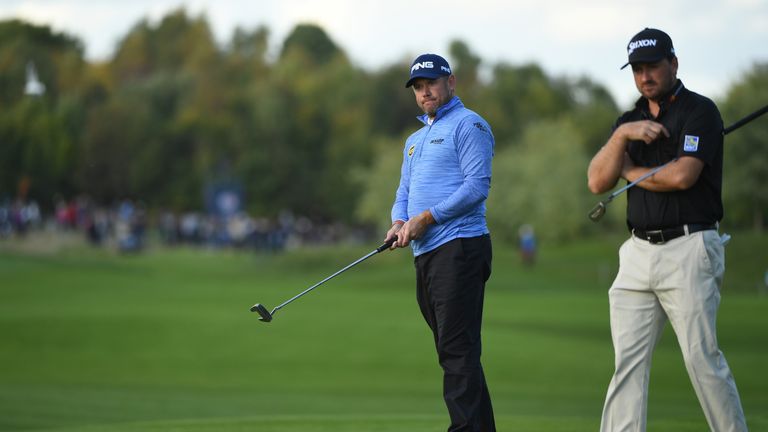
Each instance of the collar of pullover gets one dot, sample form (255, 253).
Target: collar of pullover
(455, 102)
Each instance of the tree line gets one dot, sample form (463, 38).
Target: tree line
(308, 131)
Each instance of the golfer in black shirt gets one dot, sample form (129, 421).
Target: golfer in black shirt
(671, 267)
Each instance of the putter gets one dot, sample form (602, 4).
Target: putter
(267, 316)
(598, 210)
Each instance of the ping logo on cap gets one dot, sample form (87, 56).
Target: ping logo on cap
(426, 64)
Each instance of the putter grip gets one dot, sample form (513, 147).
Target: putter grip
(386, 245)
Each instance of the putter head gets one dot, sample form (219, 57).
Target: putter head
(265, 315)
(597, 212)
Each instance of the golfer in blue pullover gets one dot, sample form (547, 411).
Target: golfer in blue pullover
(439, 211)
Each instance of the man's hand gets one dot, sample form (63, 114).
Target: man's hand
(393, 233)
(609, 163)
(410, 230)
(644, 130)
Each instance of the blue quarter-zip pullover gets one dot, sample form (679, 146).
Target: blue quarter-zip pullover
(446, 169)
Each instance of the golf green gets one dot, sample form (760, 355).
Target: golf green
(164, 341)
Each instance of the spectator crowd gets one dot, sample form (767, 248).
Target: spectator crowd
(129, 226)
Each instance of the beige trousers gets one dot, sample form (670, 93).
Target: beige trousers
(677, 281)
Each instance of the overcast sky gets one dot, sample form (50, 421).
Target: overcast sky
(716, 41)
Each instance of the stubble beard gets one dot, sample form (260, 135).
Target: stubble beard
(659, 90)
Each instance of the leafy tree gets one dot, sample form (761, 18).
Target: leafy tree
(175, 78)
(520, 95)
(593, 111)
(177, 43)
(380, 182)
(313, 42)
(246, 58)
(746, 152)
(107, 159)
(317, 132)
(392, 107)
(466, 67)
(36, 140)
(35, 149)
(309, 131)
(542, 182)
(57, 58)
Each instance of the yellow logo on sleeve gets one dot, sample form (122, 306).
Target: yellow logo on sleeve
(691, 143)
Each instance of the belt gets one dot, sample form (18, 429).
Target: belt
(664, 235)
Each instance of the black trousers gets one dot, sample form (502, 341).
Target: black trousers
(450, 286)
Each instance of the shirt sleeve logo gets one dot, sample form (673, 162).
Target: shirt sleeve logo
(691, 143)
(410, 150)
(481, 127)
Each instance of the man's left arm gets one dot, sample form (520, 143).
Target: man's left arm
(678, 175)
(474, 144)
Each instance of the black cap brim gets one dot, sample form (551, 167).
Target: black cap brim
(652, 59)
(431, 76)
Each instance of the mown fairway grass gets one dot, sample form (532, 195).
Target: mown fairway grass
(163, 341)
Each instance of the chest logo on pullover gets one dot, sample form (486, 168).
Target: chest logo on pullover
(437, 141)
(410, 150)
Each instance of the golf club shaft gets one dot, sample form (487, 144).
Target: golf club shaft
(370, 254)
(638, 180)
(725, 131)
(745, 120)
(599, 210)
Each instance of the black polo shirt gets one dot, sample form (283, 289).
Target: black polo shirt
(695, 128)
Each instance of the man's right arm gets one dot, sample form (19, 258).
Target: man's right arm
(606, 167)
(399, 211)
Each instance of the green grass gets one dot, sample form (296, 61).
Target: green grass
(92, 341)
